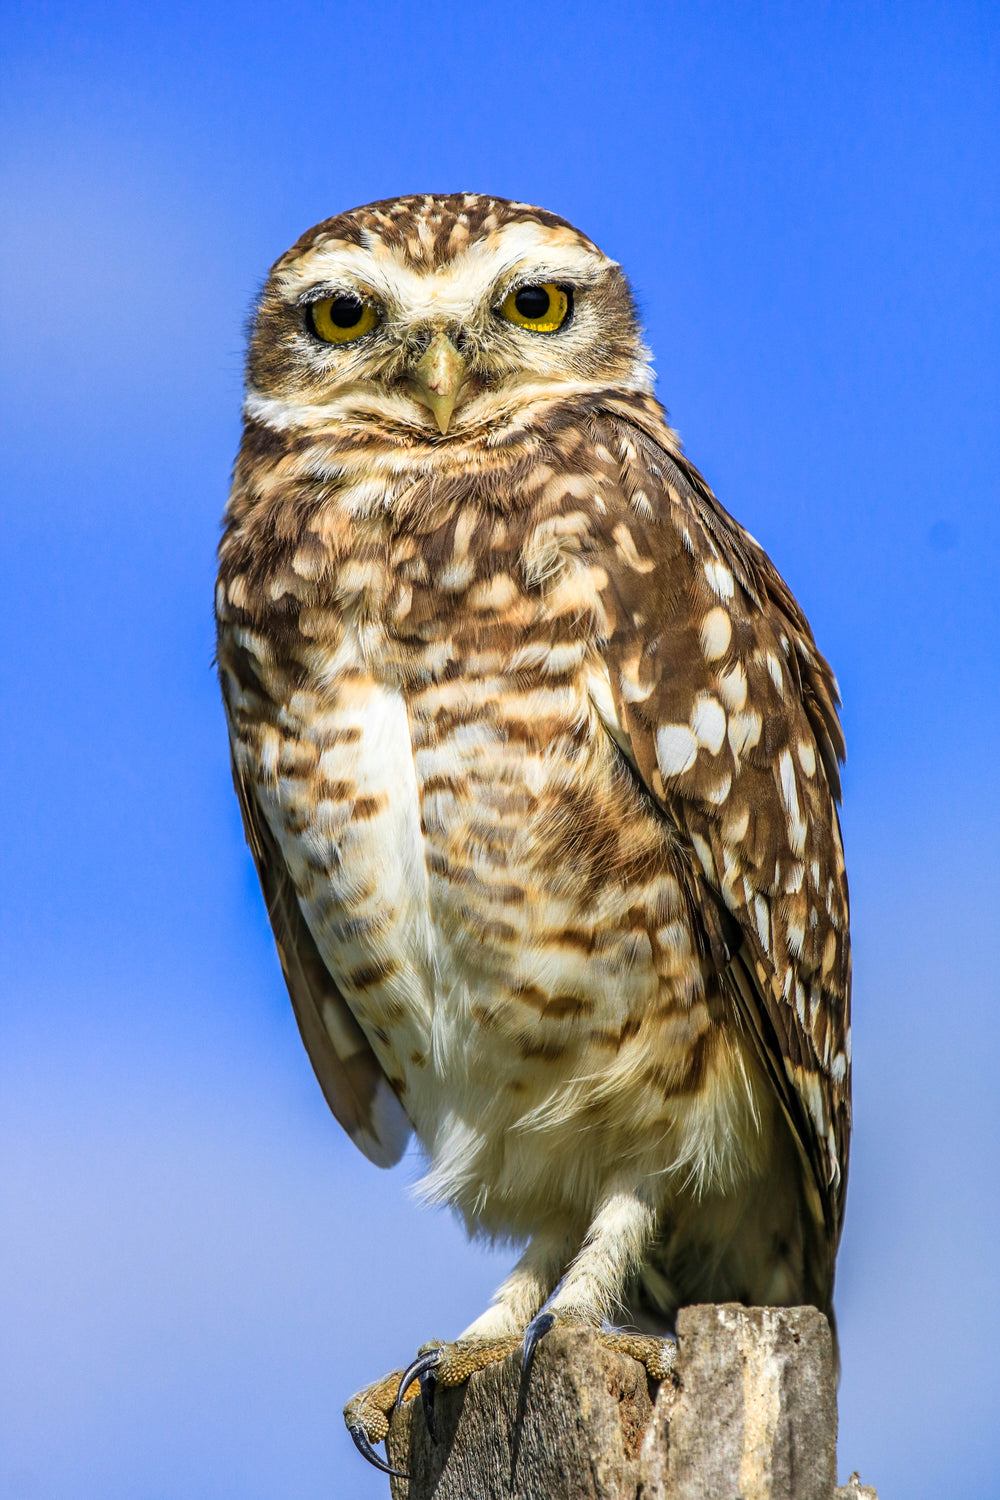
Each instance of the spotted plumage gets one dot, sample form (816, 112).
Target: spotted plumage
(537, 759)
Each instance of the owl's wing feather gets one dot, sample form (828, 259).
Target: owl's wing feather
(351, 1077)
(729, 713)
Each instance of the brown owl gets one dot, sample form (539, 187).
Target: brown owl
(538, 761)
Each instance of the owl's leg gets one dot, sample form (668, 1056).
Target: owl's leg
(494, 1335)
(526, 1288)
(593, 1286)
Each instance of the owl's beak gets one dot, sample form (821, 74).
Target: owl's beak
(437, 377)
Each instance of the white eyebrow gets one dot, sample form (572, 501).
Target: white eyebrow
(460, 283)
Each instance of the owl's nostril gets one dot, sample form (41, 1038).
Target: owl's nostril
(419, 340)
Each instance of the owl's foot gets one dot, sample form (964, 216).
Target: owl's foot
(367, 1418)
(367, 1414)
(451, 1364)
(656, 1354)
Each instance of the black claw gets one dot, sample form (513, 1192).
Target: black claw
(366, 1450)
(420, 1367)
(428, 1385)
(533, 1335)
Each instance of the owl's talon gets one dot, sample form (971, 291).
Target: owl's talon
(364, 1447)
(421, 1366)
(533, 1335)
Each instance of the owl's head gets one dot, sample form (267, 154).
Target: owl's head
(446, 315)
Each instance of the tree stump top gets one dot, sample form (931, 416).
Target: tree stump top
(750, 1414)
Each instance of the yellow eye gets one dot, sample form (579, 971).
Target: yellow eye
(542, 307)
(340, 319)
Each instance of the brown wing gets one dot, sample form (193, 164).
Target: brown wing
(353, 1082)
(729, 713)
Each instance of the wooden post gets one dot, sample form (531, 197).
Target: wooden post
(751, 1414)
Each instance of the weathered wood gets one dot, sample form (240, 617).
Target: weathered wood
(756, 1411)
(750, 1415)
(576, 1431)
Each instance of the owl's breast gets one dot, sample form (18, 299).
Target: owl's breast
(501, 907)
(507, 916)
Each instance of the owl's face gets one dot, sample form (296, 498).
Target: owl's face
(444, 316)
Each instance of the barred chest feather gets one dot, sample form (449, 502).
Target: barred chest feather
(416, 692)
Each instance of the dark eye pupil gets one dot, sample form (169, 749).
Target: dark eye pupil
(532, 302)
(346, 311)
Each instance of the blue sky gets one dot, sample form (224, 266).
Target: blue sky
(196, 1267)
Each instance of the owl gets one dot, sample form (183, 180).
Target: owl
(538, 762)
